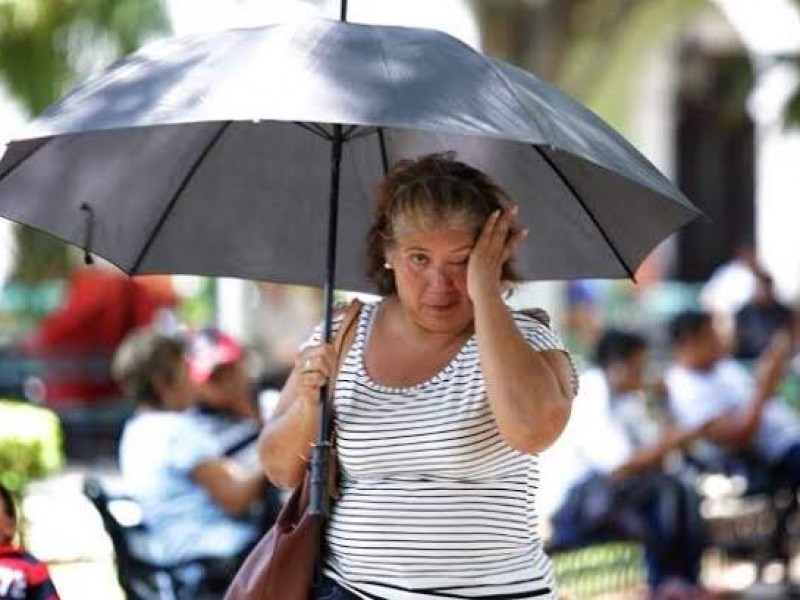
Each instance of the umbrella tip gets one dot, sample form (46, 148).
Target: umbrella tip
(343, 11)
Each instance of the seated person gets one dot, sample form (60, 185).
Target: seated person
(22, 577)
(610, 458)
(760, 319)
(194, 499)
(704, 385)
(226, 408)
(747, 419)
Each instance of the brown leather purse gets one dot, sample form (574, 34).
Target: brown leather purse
(281, 566)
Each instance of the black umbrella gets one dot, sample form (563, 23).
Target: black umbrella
(212, 155)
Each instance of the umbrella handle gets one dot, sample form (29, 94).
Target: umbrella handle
(87, 238)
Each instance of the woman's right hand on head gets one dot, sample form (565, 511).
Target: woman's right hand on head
(312, 369)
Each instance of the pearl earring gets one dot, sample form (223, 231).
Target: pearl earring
(387, 266)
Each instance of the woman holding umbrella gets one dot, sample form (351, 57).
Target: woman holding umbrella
(442, 402)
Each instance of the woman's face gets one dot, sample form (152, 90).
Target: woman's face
(228, 389)
(707, 347)
(430, 271)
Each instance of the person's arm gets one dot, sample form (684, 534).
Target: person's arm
(737, 428)
(286, 438)
(529, 391)
(230, 486)
(651, 457)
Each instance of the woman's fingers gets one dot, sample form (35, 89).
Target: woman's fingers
(500, 234)
(495, 244)
(317, 360)
(487, 233)
(515, 239)
(313, 379)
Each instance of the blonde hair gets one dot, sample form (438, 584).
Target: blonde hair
(425, 193)
(144, 356)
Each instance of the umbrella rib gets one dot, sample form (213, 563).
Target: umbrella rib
(360, 132)
(187, 178)
(347, 132)
(586, 209)
(316, 129)
(384, 153)
(23, 159)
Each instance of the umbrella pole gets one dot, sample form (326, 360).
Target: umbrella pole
(319, 501)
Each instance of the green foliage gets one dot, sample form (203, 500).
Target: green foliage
(197, 309)
(30, 444)
(19, 463)
(607, 47)
(39, 257)
(792, 118)
(46, 47)
(601, 569)
(592, 49)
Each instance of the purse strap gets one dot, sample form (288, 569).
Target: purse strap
(341, 345)
(344, 337)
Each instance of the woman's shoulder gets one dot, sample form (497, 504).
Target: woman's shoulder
(534, 324)
(340, 310)
(532, 317)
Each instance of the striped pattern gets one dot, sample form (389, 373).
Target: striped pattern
(433, 504)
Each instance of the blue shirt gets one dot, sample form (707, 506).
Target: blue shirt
(158, 452)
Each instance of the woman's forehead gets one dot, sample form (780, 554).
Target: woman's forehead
(445, 236)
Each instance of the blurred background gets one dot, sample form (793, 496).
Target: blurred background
(708, 90)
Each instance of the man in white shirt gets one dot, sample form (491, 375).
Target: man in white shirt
(704, 385)
(743, 412)
(610, 458)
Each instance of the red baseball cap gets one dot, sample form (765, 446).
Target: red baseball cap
(207, 349)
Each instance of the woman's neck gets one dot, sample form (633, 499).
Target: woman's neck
(400, 323)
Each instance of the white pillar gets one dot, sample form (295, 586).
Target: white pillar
(652, 127)
(12, 117)
(777, 161)
(233, 312)
(770, 29)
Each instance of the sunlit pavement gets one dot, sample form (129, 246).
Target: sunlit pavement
(64, 530)
(738, 579)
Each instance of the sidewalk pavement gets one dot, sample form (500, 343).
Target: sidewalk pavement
(64, 530)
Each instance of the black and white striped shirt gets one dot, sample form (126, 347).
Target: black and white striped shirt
(433, 504)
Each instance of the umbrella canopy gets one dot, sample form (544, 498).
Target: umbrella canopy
(211, 155)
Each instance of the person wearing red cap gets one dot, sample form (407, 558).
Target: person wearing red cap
(217, 367)
(225, 409)
(195, 500)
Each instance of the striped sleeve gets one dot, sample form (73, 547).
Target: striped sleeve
(542, 338)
